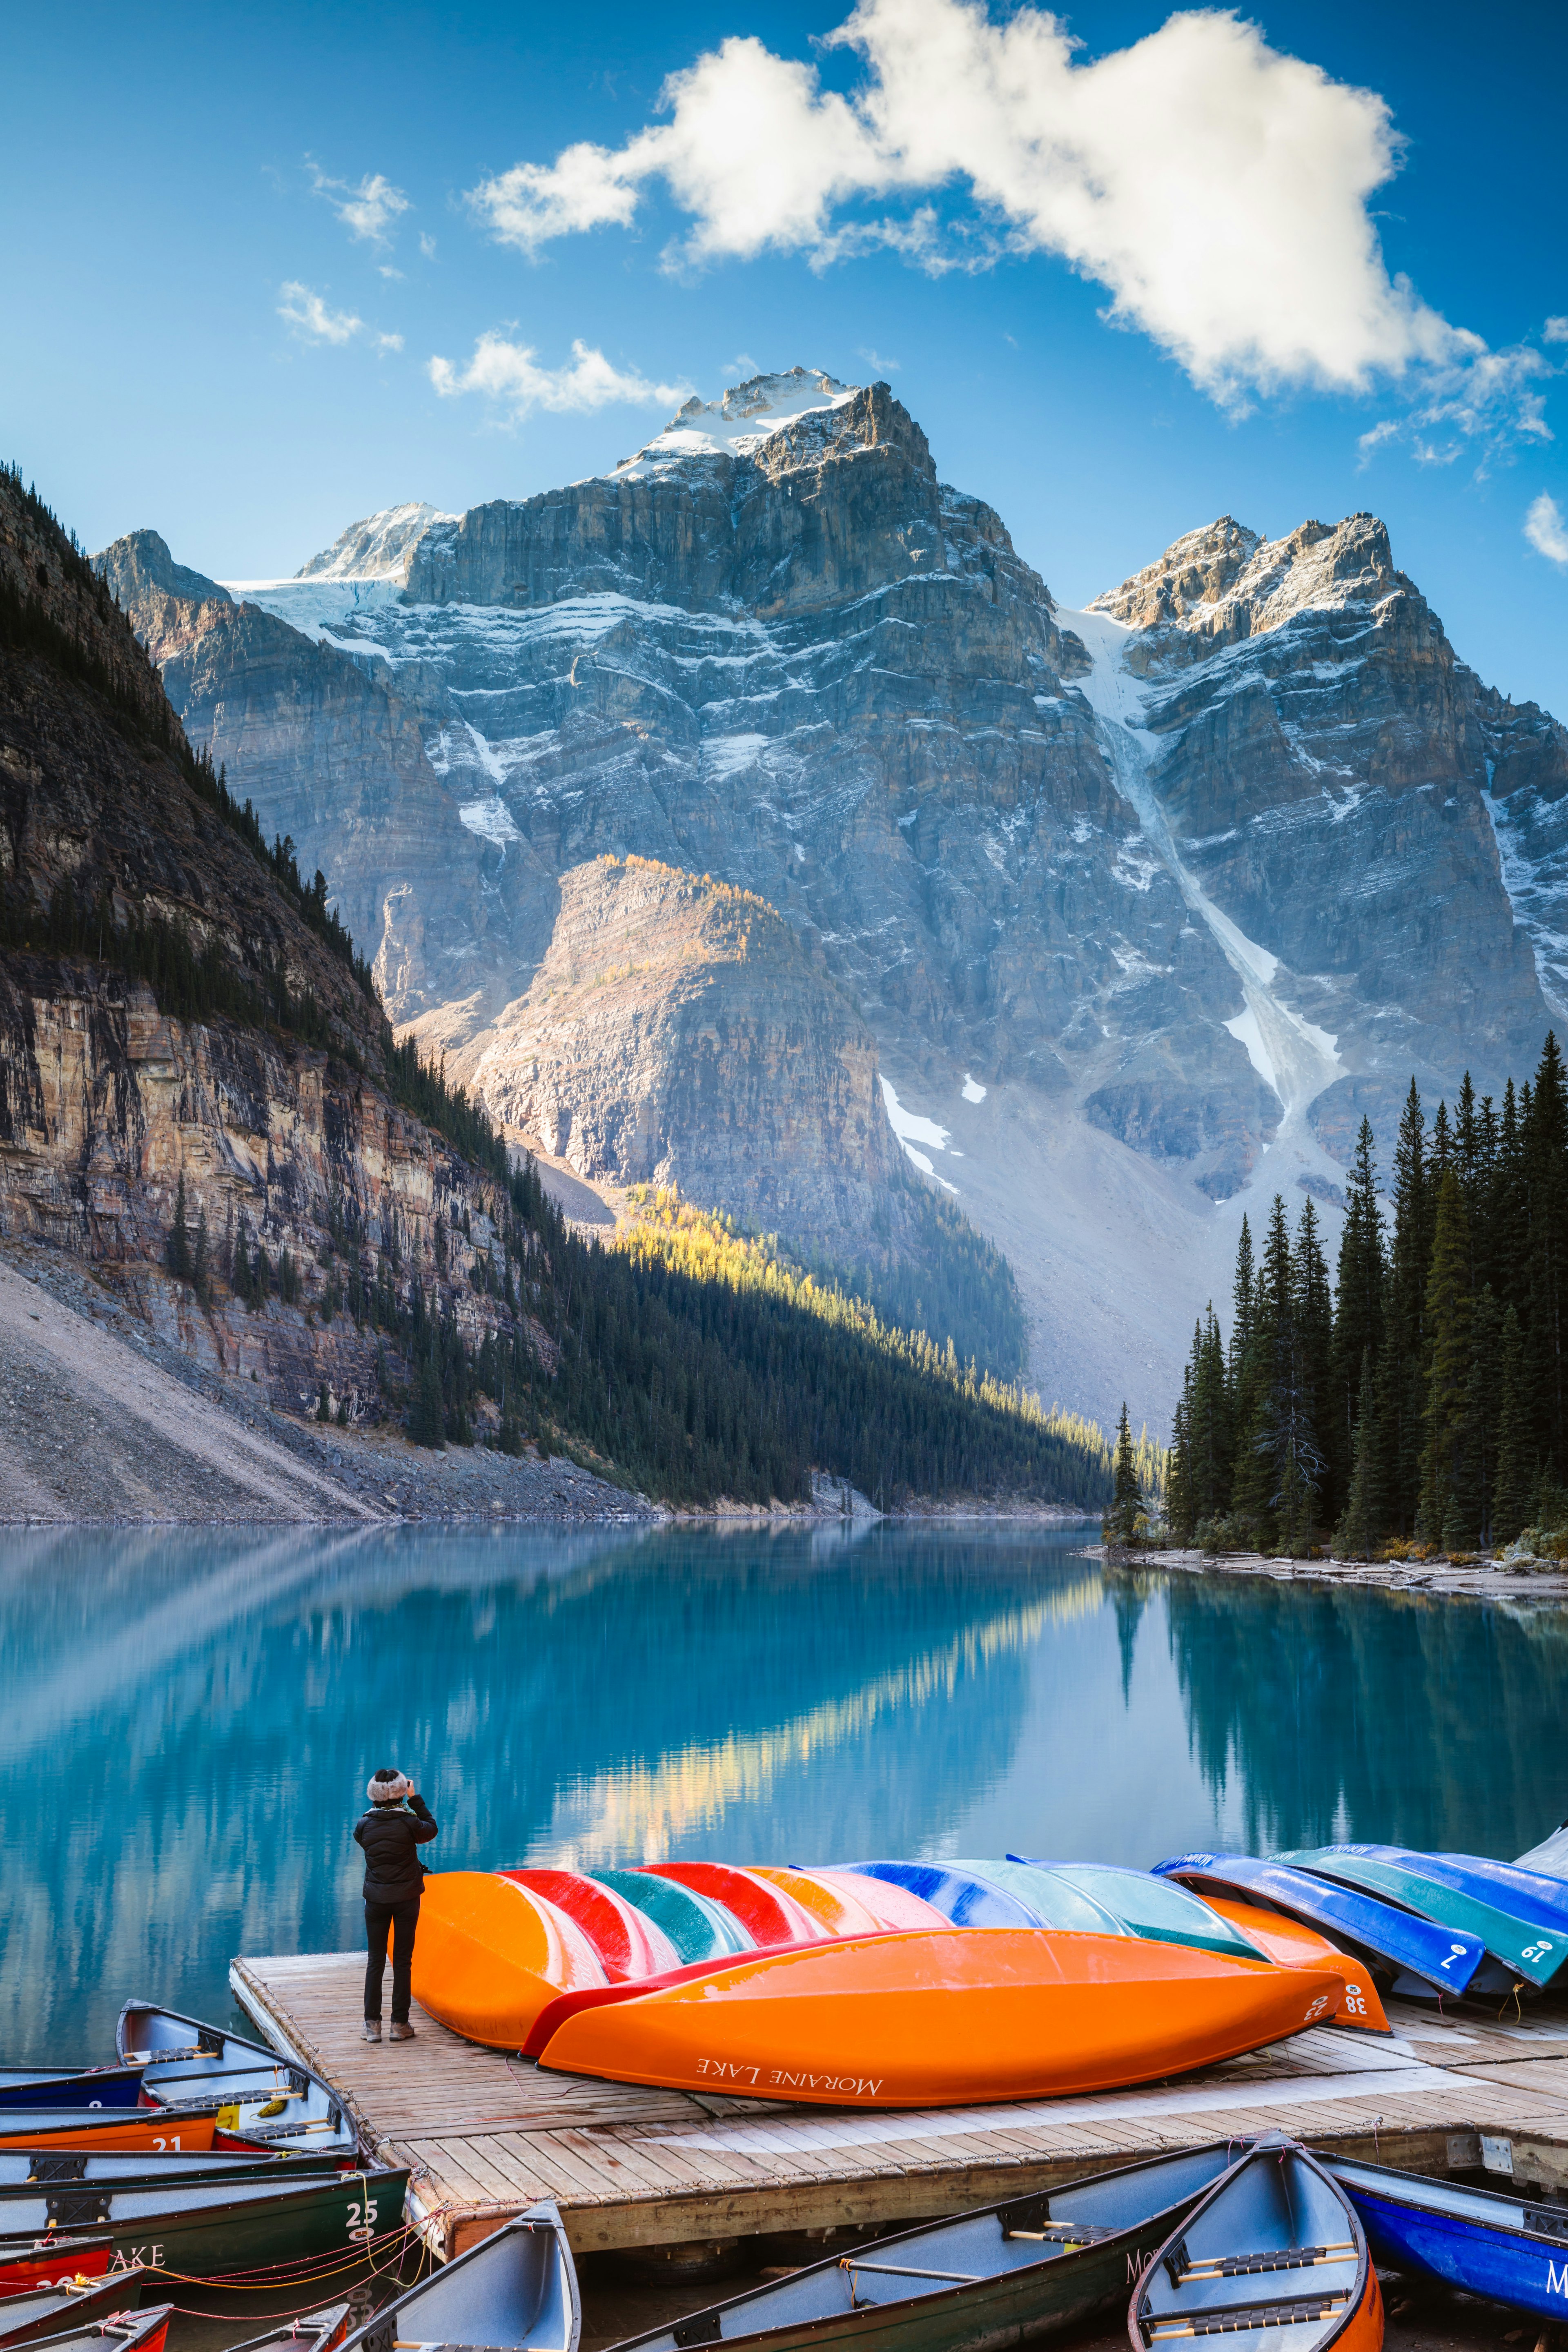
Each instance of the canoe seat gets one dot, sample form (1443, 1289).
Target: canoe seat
(1297, 2313)
(702, 2327)
(1065, 2234)
(1546, 2221)
(1277, 2258)
(63, 2167)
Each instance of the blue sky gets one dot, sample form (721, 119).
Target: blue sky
(235, 241)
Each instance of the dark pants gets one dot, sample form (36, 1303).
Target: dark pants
(378, 1918)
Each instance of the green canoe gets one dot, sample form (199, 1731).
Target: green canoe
(1149, 1908)
(1027, 2268)
(221, 2228)
(1534, 1953)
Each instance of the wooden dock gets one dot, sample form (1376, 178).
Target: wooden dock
(485, 2135)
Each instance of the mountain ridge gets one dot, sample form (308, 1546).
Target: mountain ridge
(1127, 869)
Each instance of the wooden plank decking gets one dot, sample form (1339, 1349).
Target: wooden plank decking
(485, 2135)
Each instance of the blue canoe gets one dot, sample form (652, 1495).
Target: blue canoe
(1155, 1909)
(1397, 1942)
(1510, 1886)
(114, 2086)
(1518, 1948)
(1501, 2247)
(967, 1901)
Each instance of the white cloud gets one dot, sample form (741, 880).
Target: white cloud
(1555, 332)
(389, 342)
(367, 209)
(510, 374)
(427, 245)
(1216, 187)
(1547, 529)
(385, 270)
(875, 358)
(310, 317)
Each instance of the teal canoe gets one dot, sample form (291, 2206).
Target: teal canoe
(1535, 1953)
(1149, 1908)
(699, 1928)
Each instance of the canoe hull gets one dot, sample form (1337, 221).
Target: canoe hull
(22, 2266)
(1505, 2265)
(217, 2238)
(943, 2019)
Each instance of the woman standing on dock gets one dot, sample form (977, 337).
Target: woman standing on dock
(394, 1882)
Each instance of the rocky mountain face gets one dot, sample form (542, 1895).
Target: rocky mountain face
(676, 1030)
(1139, 906)
(107, 1105)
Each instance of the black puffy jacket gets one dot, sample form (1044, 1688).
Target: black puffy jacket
(392, 1838)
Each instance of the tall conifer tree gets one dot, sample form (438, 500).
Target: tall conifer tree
(1449, 1508)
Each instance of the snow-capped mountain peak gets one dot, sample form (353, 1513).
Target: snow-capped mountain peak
(378, 548)
(737, 423)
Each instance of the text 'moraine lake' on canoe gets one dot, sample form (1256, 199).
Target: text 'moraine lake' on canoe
(1275, 2251)
(931, 2017)
(1505, 2247)
(516, 2288)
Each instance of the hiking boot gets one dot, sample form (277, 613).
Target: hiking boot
(401, 2031)
(373, 2028)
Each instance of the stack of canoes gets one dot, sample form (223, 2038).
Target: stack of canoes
(905, 1983)
(197, 2156)
(884, 1984)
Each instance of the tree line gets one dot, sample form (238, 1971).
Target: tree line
(1423, 1395)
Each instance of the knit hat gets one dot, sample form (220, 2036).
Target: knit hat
(388, 1786)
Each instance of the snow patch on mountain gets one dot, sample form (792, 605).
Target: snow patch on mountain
(737, 423)
(912, 1131)
(378, 547)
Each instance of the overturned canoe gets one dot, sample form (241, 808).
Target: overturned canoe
(1412, 1951)
(1274, 2252)
(516, 2288)
(1010, 2272)
(1293, 1945)
(935, 2019)
(1523, 1948)
(1498, 2246)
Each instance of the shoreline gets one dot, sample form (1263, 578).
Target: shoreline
(1539, 1581)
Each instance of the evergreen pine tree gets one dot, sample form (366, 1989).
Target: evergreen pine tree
(1448, 1485)
(1510, 1502)
(1362, 1525)
(1127, 1499)
(1241, 1307)
(1358, 1308)
(1181, 1511)
(1314, 1328)
(1544, 1136)
(1482, 1406)
(427, 1422)
(1211, 1445)
(1406, 1308)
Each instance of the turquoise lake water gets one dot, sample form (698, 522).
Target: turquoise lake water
(189, 1721)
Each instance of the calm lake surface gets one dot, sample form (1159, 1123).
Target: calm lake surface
(189, 1721)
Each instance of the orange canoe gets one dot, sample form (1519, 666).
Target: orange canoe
(935, 2019)
(1295, 1946)
(156, 2130)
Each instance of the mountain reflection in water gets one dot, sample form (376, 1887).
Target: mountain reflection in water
(191, 1719)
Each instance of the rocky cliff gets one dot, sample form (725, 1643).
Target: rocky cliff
(677, 1033)
(272, 1127)
(1140, 906)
